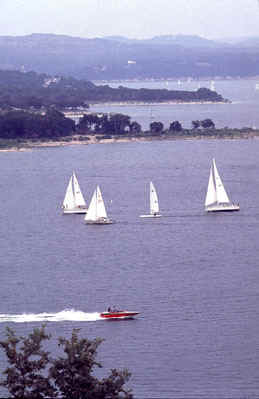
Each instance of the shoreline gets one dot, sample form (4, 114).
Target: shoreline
(95, 139)
(143, 103)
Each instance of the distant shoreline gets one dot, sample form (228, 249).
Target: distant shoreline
(29, 145)
(146, 103)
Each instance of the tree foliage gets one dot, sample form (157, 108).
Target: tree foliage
(25, 90)
(32, 373)
(105, 123)
(27, 360)
(175, 126)
(156, 127)
(196, 124)
(205, 124)
(26, 125)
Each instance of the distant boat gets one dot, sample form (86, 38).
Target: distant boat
(96, 213)
(257, 86)
(217, 199)
(212, 85)
(74, 201)
(154, 205)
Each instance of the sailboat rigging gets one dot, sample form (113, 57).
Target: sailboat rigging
(217, 199)
(74, 201)
(153, 202)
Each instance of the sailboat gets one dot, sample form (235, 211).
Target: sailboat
(217, 199)
(154, 206)
(96, 213)
(212, 85)
(74, 201)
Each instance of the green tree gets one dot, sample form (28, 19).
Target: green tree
(196, 124)
(156, 127)
(175, 126)
(207, 124)
(73, 373)
(118, 123)
(135, 127)
(33, 374)
(27, 360)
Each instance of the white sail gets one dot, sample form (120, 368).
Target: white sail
(96, 208)
(222, 196)
(92, 209)
(79, 199)
(69, 200)
(101, 211)
(154, 206)
(212, 85)
(211, 196)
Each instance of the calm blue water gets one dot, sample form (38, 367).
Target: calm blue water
(194, 277)
(241, 112)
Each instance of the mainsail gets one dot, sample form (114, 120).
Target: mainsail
(79, 199)
(101, 211)
(154, 206)
(222, 196)
(69, 200)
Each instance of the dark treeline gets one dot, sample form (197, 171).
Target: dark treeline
(53, 125)
(27, 125)
(25, 90)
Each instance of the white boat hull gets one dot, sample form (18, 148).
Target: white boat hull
(99, 221)
(150, 216)
(223, 208)
(75, 210)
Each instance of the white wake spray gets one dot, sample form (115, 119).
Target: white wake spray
(64, 315)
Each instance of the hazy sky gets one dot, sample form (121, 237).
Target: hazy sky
(131, 18)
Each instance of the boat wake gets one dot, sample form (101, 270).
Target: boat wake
(64, 315)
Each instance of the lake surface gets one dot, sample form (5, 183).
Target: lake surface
(243, 111)
(193, 277)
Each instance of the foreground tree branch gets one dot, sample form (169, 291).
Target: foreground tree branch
(32, 373)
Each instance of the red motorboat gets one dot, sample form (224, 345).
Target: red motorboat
(118, 314)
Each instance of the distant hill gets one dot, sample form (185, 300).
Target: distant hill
(25, 90)
(176, 40)
(118, 57)
(187, 41)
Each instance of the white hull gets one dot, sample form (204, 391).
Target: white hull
(150, 216)
(75, 210)
(223, 208)
(99, 221)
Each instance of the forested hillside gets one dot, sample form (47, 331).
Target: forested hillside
(24, 90)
